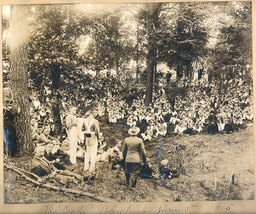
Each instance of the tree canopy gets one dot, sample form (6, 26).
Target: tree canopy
(68, 41)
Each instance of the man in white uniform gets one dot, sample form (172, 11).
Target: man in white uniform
(92, 133)
(71, 122)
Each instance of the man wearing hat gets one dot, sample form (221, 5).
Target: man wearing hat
(133, 152)
(92, 134)
(40, 165)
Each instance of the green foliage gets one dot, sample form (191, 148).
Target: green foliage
(177, 34)
(233, 52)
(183, 39)
(111, 46)
(52, 49)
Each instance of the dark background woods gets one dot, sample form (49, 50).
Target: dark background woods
(64, 42)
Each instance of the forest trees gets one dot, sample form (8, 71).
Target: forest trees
(110, 46)
(52, 51)
(105, 50)
(233, 52)
(175, 34)
(232, 55)
(184, 37)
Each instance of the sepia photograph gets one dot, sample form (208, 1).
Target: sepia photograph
(127, 102)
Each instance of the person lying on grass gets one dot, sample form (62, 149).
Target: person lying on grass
(166, 171)
(42, 166)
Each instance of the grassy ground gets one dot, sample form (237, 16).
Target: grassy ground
(206, 163)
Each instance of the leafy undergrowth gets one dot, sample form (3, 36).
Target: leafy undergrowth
(205, 163)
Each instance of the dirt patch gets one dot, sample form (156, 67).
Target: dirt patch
(205, 163)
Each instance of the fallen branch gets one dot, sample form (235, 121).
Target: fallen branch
(22, 174)
(65, 190)
(7, 163)
(31, 174)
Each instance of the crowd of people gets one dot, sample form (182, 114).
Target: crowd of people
(84, 140)
(201, 104)
(81, 140)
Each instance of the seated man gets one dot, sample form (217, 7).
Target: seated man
(101, 141)
(149, 117)
(115, 156)
(174, 120)
(155, 129)
(53, 156)
(148, 134)
(44, 164)
(44, 137)
(221, 124)
(40, 165)
(65, 148)
(162, 130)
(180, 128)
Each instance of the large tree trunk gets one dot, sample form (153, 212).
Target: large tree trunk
(150, 78)
(153, 10)
(155, 72)
(117, 61)
(179, 71)
(19, 77)
(137, 54)
(57, 101)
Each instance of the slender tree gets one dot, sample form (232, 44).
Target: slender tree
(149, 18)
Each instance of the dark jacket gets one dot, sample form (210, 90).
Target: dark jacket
(134, 150)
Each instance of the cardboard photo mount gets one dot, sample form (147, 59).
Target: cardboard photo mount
(134, 207)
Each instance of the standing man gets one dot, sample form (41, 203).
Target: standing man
(71, 122)
(92, 133)
(133, 153)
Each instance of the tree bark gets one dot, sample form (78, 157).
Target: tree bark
(117, 60)
(19, 77)
(153, 10)
(137, 54)
(150, 79)
(56, 104)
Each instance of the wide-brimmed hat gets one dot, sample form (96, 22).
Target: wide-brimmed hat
(134, 130)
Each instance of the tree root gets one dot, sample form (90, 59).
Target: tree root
(38, 182)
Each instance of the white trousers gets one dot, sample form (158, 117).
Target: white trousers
(72, 137)
(90, 156)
